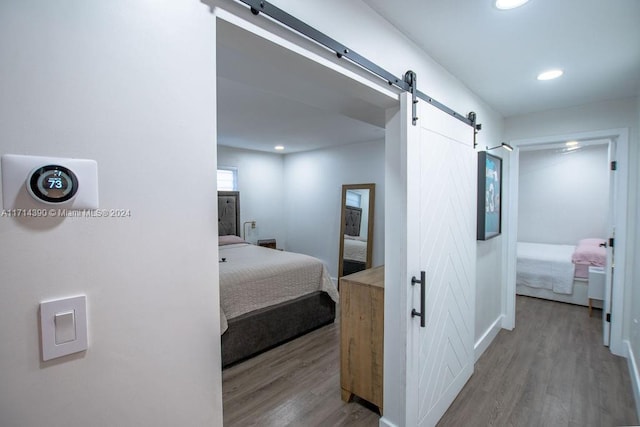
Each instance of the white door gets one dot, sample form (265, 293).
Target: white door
(441, 241)
(610, 267)
(608, 286)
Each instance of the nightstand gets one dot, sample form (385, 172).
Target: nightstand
(267, 243)
(597, 277)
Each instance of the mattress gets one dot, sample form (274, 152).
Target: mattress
(253, 277)
(355, 249)
(545, 266)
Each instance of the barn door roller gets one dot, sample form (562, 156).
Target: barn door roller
(411, 79)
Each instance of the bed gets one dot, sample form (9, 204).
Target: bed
(354, 257)
(267, 296)
(558, 272)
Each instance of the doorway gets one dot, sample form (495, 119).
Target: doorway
(294, 90)
(614, 289)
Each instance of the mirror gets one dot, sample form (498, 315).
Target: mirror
(356, 228)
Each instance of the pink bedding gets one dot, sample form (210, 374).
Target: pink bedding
(582, 271)
(589, 252)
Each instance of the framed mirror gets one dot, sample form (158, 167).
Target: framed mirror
(356, 228)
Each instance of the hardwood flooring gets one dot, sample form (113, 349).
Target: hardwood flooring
(549, 371)
(296, 384)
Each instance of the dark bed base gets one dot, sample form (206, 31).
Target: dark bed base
(263, 329)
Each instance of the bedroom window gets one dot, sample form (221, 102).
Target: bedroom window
(353, 199)
(227, 179)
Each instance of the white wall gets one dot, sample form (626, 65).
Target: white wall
(130, 84)
(490, 278)
(260, 182)
(563, 196)
(313, 194)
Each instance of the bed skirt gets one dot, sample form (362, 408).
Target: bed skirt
(580, 295)
(255, 332)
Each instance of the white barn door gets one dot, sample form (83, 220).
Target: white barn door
(441, 241)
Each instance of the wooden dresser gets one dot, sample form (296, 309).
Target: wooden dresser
(362, 335)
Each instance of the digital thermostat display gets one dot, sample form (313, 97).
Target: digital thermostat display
(52, 184)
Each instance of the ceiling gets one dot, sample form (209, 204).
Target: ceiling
(498, 54)
(269, 96)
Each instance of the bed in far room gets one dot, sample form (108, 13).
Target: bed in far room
(267, 296)
(558, 272)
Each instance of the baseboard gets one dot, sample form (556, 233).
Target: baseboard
(487, 338)
(635, 377)
(386, 423)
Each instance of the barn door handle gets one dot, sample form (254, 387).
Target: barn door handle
(423, 282)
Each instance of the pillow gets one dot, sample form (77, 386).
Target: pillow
(591, 242)
(229, 240)
(592, 255)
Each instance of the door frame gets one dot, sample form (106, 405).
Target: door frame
(395, 409)
(620, 137)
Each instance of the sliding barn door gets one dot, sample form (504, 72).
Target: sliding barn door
(441, 241)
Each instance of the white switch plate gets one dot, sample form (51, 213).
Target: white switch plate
(58, 326)
(17, 168)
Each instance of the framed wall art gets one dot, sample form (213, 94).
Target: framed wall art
(489, 196)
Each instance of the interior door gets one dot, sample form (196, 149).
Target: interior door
(441, 241)
(610, 268)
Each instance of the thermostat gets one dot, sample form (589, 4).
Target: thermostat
(30, 181)
(52, 184)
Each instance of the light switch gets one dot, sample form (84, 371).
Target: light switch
(63, 324)
(65, 327)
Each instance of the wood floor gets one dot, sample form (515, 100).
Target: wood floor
(549, 371)
(296, 384)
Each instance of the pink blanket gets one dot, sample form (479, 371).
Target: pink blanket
(590, 252)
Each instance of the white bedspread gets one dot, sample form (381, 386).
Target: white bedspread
(355, 249)
(254, 277)
(545, 266)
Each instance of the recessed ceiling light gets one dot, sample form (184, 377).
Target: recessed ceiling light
(279, 147)
(509, 4)
(572, 143)
(550, 75)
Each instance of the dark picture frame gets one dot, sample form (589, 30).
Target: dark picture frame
(489, 196)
